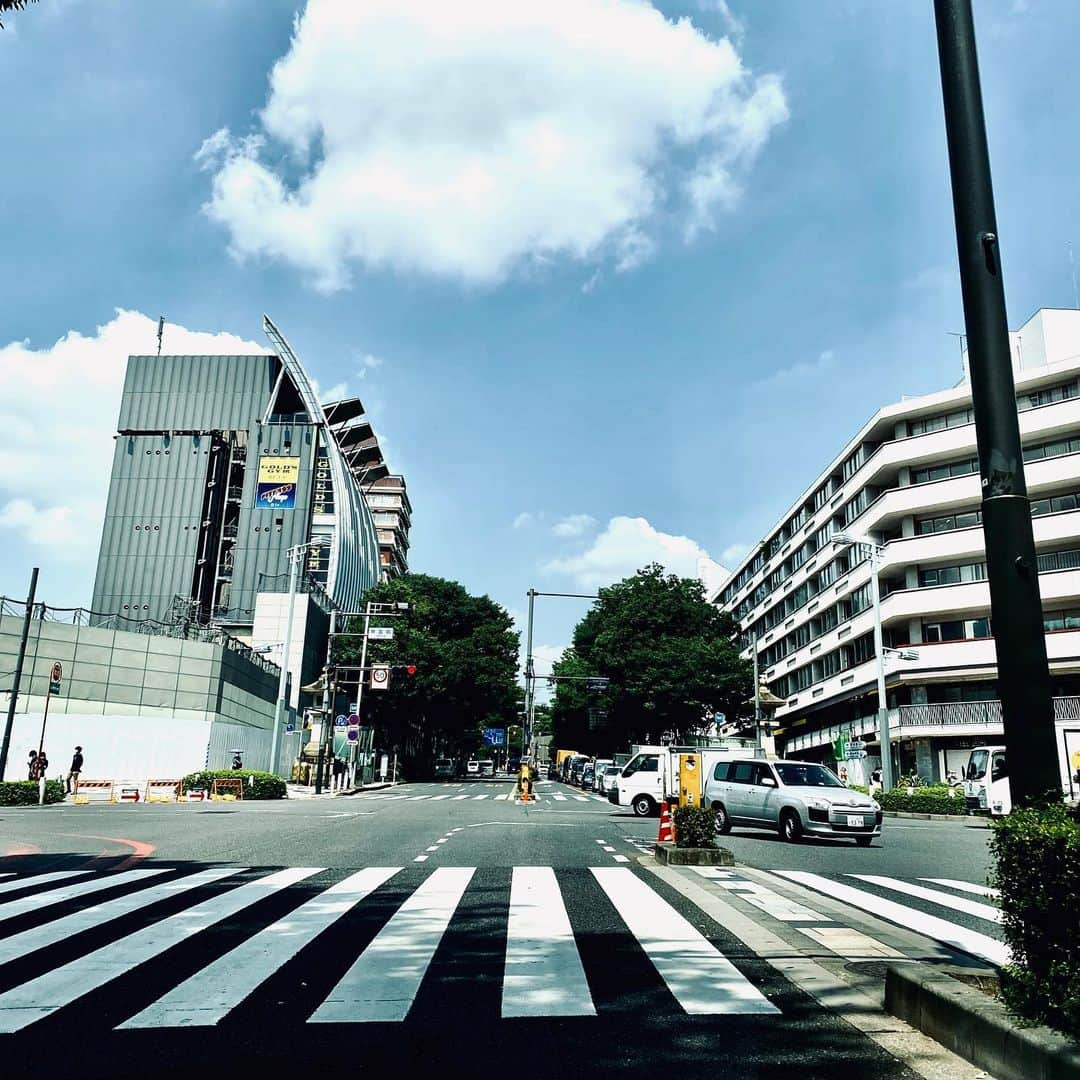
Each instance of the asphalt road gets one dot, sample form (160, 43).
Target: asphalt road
(168, 939)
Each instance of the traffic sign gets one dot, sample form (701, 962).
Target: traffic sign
(353, 734)
(494, 736)
(354, 720)
(380, 633)
(290, 728)
(54, 678)
(380, 676)
(339, 721)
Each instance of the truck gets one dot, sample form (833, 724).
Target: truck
(986, 777)
(651, 776)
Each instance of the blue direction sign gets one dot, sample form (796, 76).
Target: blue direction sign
(494, 736)
(339, 721)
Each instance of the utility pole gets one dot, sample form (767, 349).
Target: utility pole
(1016, 607)
(530, 680)
(5, 745)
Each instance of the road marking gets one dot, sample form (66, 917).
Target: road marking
(712, 872)
(458, 798)
(14, 908)
(434, 847)
(581, 798)
(443, 840)
(848, 943)
(40, 997)
(499, 798)
(417, 798)
(620, 858)
(436, 798)
(475, 797)
(965, 886)
(969, 941)
(772, 903)
(383, 982)
(38, 937)
(40, 879)
(217, 989)
(423, 858)
(601, 842)
(608, 847)
(702, 980)
(543, 974)
(935, 896)
(458, 829)
(559, 798)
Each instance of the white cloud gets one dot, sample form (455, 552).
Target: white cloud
(732, 24)
(626, 545)
(734, 554)
(366, 363)
(574, 525)
(800, 370)
(465, 140)
(54, 469)
(524, 520)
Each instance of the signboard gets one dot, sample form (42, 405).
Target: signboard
(494, 736)
(339, 721)
(55, 676)
(276, 489)
(353, 734)
(380, 633)
(380, 676)
(353, 720)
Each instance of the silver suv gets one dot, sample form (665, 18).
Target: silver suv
(795, 797)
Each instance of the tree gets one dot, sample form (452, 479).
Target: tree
(672, 658)
(465, 651)
(570, 706)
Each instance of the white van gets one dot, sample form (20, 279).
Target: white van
(652, 775)
(986, 781)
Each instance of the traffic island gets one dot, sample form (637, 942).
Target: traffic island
(669, 855)
(977, 1027)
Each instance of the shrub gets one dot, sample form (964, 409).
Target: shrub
(1037, 868)
(926, 800)
(257, 785)
(25, 792)
(695, 826)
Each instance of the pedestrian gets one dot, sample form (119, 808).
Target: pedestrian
(31, 766)
(76, 768)
(42, 765)
(339, 773)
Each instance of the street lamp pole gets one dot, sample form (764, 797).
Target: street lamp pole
(879, 651)
(1027, 706)
(530, 680)
(283, 675)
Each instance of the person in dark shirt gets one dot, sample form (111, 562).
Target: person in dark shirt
(31, 766)
(76, 768)
(42, 769)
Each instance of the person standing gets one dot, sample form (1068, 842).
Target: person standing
(76, 768)
(31, 766)
(42, 770)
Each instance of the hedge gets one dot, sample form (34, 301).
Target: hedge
(1037, 869)
(695, 826)
(257, 785)
(25, 792)
(926, 800)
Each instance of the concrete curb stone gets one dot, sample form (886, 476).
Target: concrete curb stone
(977, 1027)
(972, 820)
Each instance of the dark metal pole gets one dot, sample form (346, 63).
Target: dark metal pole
(17, 675)
(1016, 608)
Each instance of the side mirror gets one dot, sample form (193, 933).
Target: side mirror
(768, 781)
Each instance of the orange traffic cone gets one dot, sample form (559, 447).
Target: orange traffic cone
(667, 827)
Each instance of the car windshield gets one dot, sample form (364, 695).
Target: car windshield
(976, 769)
(807, 776)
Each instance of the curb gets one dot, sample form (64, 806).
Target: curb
(973, 820)
(977, 1027)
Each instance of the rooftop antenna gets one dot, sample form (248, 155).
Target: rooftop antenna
(1072, 267)
(160, 331)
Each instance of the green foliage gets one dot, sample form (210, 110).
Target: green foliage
(859, 788)
(1037, 869)
(263, 786)
(695, 826)
(465, 650)
(25, 792)
(925, 800)
(671, 657)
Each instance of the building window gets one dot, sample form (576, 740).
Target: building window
(928, 474)
(1047, 396)
(948, 522)
(956, 630)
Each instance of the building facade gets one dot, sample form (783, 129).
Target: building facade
(908, 481)
(222, 464)
(390, 506)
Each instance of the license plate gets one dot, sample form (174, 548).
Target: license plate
(855, 821)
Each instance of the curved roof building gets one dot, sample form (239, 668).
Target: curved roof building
(222, 464)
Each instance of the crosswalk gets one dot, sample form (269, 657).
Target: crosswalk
(504, 796)
(230, 933)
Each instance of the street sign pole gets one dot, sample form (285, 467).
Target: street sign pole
(55, 677)
(1027, 706)
(16, 677)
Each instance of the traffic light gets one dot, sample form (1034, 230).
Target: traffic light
(410, 669)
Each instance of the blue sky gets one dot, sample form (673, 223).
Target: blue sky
(615, 280)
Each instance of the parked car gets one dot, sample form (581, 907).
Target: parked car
(553, 772)
(487, 768)
(611, 779)
(602, 766)
(588, 773)
(472, 768)
(513, 766)
(793, 797)
(444, 768)
(576, 766)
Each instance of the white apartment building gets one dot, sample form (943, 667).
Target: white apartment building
(909, 480)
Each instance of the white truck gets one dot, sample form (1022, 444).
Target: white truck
(986, 778)
(652, 775)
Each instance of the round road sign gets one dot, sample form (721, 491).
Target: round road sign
(353, 734)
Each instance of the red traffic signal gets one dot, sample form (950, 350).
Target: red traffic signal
(410, 669)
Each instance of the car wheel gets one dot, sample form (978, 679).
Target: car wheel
(643, 806)
(864, 841)
(723, 821)
(790, 827)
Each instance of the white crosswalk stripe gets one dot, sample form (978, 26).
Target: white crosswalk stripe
(559, 798)
(38, 998)
(965, 886)
(702, 980)
(39, 879)
(957, 903)
(383, 982)
(543, 971)
(921, 922)
(206, 997)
